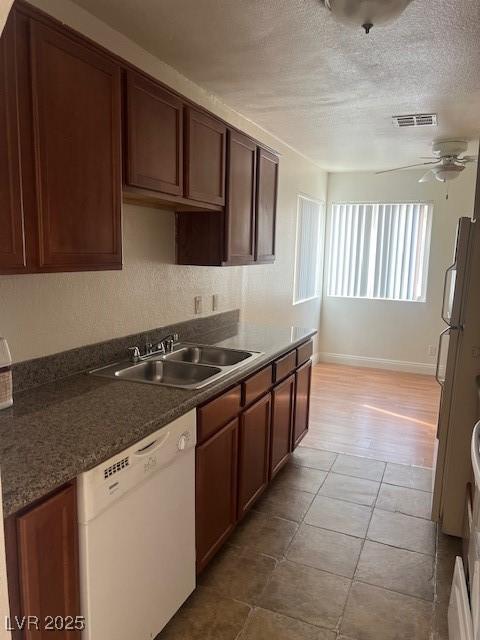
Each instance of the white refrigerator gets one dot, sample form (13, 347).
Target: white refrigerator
(458, 371)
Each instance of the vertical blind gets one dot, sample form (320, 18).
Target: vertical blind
(309, 222)
(379, 250)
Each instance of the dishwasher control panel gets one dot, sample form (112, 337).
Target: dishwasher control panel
(110, 480)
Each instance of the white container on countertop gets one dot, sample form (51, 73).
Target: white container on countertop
(6, 386)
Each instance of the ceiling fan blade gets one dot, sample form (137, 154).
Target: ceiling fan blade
(428, 177)
(408, 166)
(469, 159)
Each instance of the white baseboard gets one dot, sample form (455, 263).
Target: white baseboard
(375, 363)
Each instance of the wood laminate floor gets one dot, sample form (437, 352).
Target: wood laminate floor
(386, 415)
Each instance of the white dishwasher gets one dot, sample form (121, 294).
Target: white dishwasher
(137, 535)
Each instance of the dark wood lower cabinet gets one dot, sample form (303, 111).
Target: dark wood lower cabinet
(283, 399)
(236, 462)
(42, 564)
(254, 453)
(303, 378)
(216, 491)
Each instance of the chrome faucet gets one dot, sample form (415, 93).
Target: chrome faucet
(169, 341)
(164, 346)
(134, 354)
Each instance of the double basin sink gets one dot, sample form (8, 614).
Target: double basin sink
(188, 366)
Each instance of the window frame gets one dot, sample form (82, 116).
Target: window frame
(319, 258)
(328, 239)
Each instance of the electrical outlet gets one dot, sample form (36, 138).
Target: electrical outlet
(215, 302)
(198, 304)
(432, 350)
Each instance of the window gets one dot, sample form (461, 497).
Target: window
(310, 226)
(379, 251)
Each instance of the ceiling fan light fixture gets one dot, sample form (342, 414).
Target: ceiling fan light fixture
(448, 171)
(366, 13)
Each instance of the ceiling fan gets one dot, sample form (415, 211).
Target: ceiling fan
(447, 162)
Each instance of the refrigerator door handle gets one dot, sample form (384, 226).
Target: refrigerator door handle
(439, 354)
(451, 268)
(475, 452)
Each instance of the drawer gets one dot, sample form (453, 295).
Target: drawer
(257, 385)
(284, 366)
(304, 352)
(218, 412)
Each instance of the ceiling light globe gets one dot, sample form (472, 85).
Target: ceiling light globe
(366, 13)
(448, 172)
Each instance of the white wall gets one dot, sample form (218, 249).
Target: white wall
(4, 10)
(355, 330)
(269, 288)
(46, 313)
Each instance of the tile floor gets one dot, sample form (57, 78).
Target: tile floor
(339, 548)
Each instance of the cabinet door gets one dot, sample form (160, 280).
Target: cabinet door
(206, 144)
(154, 137)
(12, 246)
(303, 379)
(240, 206)
(48, 563)
(282, 422)
(254, 453)
(266, 206)
(76, 111)
(216, 492)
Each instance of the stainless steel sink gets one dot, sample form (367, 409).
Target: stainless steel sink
(215, 356)
(165, 372)
(188, 366)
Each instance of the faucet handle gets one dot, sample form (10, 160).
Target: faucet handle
(175, 337)
(134, 354)
(160, 347)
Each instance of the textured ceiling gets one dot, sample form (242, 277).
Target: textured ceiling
(326, 89)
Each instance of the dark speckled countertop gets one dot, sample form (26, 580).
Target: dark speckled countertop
(58, 430)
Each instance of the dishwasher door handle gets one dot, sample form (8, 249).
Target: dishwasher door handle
(152, 446)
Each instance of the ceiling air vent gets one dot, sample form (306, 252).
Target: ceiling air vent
(415, 120)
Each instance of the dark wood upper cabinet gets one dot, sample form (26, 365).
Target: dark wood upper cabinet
(240, 203)
(254, 453)
(216, 491)
(266, 206)
(81, 129)
(245, 233)
(205, 146)
(12, 241)
(154, 124)
(42, 557)
(77, 135)
(303, 377)
(283, 399)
